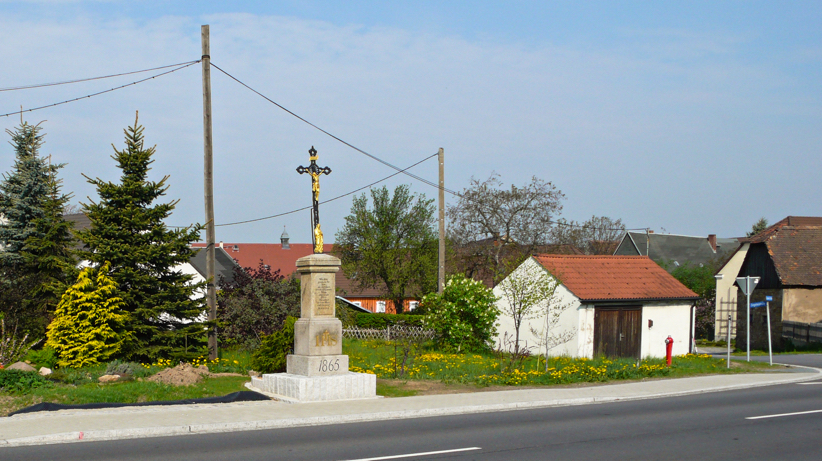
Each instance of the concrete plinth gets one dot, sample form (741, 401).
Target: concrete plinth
(297, 388)
(312, 365)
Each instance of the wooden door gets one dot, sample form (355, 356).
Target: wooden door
(617, 331)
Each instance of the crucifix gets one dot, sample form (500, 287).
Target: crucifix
(315, 172)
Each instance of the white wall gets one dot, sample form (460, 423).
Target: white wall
(726, 292)
(670, 318)
(568, 320)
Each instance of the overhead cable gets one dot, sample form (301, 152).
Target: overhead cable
(100, 92)
(41, 85)
(418, 178)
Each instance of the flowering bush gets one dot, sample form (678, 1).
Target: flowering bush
(464, 315)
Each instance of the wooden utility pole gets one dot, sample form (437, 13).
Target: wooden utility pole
(211, 292)
(441, 278)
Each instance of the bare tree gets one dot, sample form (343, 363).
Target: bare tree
(597, 236)
(529, 292)
(490, 222)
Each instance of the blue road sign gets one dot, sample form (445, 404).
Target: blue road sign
(757, 304)
(768, 298)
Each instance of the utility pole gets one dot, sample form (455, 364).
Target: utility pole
(441, 275)
(211, 292)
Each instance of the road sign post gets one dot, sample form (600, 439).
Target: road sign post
(747, 284)
(768, 299)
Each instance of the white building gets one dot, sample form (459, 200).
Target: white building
(621, 306)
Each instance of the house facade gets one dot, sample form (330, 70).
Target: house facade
(787, 257)
(620, 306)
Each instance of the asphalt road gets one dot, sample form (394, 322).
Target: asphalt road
(703, 427)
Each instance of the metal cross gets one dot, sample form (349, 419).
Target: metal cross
(315, 172)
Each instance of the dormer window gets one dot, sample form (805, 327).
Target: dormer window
(236, 248)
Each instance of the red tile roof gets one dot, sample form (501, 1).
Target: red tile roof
(614, 278)
(273, 254)
(795, 247)
(792, 221)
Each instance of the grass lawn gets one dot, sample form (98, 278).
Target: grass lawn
(482, 370)
(425, 371)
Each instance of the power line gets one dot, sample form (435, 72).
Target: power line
(326, 201)
(66, 82)
(418, 178)
(101, 92)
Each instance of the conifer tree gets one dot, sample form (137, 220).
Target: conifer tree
(38, 260)
(127, 230)
(88, 325)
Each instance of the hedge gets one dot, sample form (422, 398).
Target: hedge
(380, 321)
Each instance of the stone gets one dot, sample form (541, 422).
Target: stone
(44, 371)
(20, 366)
(108, 378)
(312, 365)
(318, 337)
(299, 389)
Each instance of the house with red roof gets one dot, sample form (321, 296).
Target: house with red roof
(617, 306)
(284, 256)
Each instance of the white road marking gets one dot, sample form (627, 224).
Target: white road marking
(785, 414)
(411, 455)
(808, 384)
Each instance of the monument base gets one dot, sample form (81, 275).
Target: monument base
(316, 365)
(297, 388)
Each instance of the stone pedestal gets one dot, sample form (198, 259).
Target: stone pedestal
(317, 371)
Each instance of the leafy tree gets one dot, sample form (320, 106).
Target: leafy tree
(392, 245)
(127, 230)
(597, 236)
(255, 304)
(38, 261)
(700, 279)
(758, 227)
(88, 326)
(492, 224)
(464, 315)
(529, 292)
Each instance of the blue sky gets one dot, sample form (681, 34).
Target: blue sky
(692, 119)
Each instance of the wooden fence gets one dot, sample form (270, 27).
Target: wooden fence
(390, 333)
(802, 332)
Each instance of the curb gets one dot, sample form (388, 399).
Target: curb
(119, 434)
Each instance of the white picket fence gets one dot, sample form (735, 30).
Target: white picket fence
(390, 333)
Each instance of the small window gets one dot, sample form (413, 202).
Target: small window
(380, 307)
(236, 248)
(413, 305)
(357, 303)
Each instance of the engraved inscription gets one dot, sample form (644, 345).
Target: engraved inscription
(328, 365)
(325, 339)
(324, 296)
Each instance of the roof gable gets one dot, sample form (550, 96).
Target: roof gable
(614, 278)
(676, 249)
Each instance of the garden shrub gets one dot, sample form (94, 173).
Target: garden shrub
(464, 315)
(13, 381)
(255, 304)
(45, 357)
(88, 325)
(381, 321)
(270, 356)
(117, 367)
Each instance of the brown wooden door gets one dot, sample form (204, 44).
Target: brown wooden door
(617, 331)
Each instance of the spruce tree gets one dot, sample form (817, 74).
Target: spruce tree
(38, 261)
(127, 230)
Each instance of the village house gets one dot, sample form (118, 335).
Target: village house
(787, 257)
(672, 251)
(616, 306)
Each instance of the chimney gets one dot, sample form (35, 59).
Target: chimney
(284, 240)
(712, 241)
(221, 243)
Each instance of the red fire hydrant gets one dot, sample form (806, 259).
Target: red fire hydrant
(669, 346)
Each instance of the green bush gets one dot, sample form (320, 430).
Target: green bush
(88, 325)
(13, 381)
(464, 315)
(45, 357)
(270, 356)
(380, 321)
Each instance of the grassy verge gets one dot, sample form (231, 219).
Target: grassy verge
(385, 361)
(120, 392)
